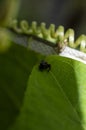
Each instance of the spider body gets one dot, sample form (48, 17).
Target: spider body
(44, 66)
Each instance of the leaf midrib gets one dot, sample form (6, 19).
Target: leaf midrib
(64, 94)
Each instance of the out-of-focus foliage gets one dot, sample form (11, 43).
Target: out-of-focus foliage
(4, 40)
(8, 10)
(15, 67)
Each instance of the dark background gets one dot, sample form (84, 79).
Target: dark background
(69, 13)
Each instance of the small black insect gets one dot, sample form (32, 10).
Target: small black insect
(44, 66)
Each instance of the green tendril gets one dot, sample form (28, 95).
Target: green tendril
(52, 35)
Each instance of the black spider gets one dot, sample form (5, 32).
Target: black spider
(44, 66)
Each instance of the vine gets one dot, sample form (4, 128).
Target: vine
(56, 38)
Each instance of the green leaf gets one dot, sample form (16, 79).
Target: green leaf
(16, 64)
(55, 100)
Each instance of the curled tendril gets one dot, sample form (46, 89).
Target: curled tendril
(54, 36)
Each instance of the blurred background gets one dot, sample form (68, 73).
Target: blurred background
(69, 13)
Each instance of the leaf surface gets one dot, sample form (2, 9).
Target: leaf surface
(55, 100)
